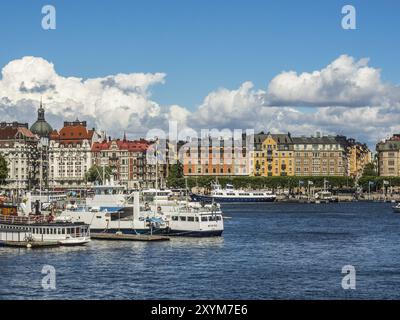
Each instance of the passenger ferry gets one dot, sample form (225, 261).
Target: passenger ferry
(183, 217)
(229, 194)
(42, 229)
(190, 222)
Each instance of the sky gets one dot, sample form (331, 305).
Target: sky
(268, 65)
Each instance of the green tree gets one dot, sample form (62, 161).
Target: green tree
(3, 169)
(175, 171)
(95, 173)
(258, 182)
(369, 170)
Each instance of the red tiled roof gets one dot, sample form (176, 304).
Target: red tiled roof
(11, 132)
(127, 145)
(72, 134)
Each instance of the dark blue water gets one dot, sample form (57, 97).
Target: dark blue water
(268, 251)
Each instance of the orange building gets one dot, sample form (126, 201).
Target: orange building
(129, 162)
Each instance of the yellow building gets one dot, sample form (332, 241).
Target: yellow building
(273, 156)
(358, 156)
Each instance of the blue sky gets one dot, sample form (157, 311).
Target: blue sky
(226, 64)
(200, 45)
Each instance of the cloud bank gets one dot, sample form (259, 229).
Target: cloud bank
(346, 97)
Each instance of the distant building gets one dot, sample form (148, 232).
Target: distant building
(129, 162)
(388, 154)
(18, 145)
(358, 156)
(274, 155)
(41, 127)
(215, 157)
(70, 155)
(320, 156)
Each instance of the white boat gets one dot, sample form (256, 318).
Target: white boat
(127, 219)
(229, 194)
(42, 229)
(47, 197)
(194, 222)
(324, 196)
(164, 200)
(183, 217)
(109, 196)
(396, 208)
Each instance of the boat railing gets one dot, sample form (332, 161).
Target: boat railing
(23, 220)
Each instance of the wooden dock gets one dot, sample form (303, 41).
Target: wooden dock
(29, 244)
(127, 237)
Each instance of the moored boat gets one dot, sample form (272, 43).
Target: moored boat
(396, 208)
(42, 229)
(194, 222)
(229, 194)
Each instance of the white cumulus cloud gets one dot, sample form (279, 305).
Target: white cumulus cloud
(345, 97)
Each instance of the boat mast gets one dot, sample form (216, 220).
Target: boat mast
(156, 184)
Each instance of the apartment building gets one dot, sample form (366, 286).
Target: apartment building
(388, 154)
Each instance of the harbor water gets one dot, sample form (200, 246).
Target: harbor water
(268, 251)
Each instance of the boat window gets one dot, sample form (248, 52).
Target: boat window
(174, 218)
(183, 218)
(196, 219)
(191, 219)
(219, 218)
(63, 231)
(203, 218)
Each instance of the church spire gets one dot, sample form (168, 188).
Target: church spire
(41, 110)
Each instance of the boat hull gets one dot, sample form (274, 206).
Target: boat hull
(396, 209)
(127, 231)
(202, 198)
(194, 234)
(169, 232)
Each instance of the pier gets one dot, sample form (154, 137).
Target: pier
(128, 237)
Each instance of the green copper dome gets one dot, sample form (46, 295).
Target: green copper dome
(41, 127)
